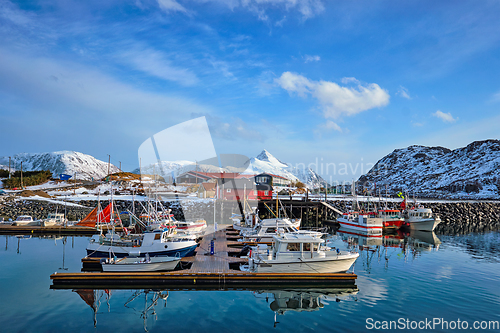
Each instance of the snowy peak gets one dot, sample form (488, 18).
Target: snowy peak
(73, 163)
(433, 169)
(265, 156)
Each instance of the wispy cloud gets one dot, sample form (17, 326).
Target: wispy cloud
(446, 117)
(231, 128)
(171, 6)
(336, 100)
(157, 64)
(496, 97)
(307, 8)
(403, 92)
(333, 126)
(309, 58)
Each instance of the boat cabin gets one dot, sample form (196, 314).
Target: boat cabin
(296, 245)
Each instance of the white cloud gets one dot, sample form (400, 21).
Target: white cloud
(496, 97)
(309, 58)
(446, 117)
(403, 92)
(156, 64)
(307, 8)
(336, 100)
(332, 125)
(171, 6)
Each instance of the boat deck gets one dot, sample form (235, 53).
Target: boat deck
(206, 272)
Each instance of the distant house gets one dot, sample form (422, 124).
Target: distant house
(207, 190)
(197, 177)
(239, 189)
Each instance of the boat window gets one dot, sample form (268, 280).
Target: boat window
(293, 247)
(315, 247)
(157, 236)
(306, 247)
(270, 230)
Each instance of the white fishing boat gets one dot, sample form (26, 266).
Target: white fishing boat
(159, 242)
(25, 220)
(298, 253)
(365, 222)
(146, 264)
(420, 218)
(268, 228)
(188, 227)
(53, 219)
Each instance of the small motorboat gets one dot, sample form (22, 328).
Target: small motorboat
(298, 253)
(25, 220)
(422, 219)
(139, 264)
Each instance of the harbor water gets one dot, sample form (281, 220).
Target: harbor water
(407, 282)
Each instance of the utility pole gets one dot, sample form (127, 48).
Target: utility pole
(109, 163)
(22, 175)
(120, 166)
(9, 167)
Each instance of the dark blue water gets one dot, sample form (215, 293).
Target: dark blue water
(402, 279)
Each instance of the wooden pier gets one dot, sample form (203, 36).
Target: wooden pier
(206, 272)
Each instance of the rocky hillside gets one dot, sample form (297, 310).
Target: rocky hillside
(472, 171)
(67, 162)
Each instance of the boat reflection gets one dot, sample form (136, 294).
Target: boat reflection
(409, 245)
(300, 300)
(145, 301)
(146, 309)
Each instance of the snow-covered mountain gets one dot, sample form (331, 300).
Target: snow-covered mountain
(67, 162)
(434, 170)
(263, 163)
(267, 163)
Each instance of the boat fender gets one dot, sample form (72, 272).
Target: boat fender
(338, 251)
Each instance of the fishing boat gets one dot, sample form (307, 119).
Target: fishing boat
(188, 227)
(367, 222)
(154, 243)
(25, 220)
(421, 218)
(268, 228)
(298, 253)
(391, 218)
(146, 264)
(53, 219)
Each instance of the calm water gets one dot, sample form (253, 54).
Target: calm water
(448, 277)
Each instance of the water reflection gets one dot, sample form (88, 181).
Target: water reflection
(144, 301)
(303, 300)
(141, 301)
(407, 246)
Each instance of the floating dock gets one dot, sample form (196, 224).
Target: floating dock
(206, 272)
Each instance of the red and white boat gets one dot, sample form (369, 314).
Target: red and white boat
(193, 228)
(367, 222)
(392, 218)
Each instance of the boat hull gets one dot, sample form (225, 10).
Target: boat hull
(135, 265)
(367, 230)
(97, 250)
(424, 224)
(305, 266)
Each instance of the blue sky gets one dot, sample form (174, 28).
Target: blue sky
(311, 81)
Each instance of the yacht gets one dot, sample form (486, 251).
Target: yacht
(298, 253)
